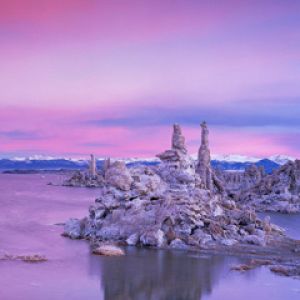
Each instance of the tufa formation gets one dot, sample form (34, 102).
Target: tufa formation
(176, 204)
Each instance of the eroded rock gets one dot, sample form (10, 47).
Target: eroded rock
(176, 204)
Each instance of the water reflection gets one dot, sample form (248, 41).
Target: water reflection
(28, 208)
(150, 274)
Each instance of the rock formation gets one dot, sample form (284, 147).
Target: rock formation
(177, 167)
(86, 179)
(203, 164)
(117, 175)
(169, 205)
(178, 140)
(92, 167)
(209, 180)
(237, 181)
(279, 191)
(177, 171)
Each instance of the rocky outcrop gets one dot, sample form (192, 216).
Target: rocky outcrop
(236, 181)
(91, 178)
(177, 167)
(108, 250)
(170, 205)
(83, 179)
(279, 191)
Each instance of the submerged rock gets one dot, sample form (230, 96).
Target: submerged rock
(292, 271)
(31, 258)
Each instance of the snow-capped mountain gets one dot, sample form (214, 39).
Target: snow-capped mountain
(224, 162)
(235, 158)
(281, 159)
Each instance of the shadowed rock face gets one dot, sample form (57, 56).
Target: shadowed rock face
(169, 205)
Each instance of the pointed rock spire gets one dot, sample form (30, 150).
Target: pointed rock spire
(203, 164)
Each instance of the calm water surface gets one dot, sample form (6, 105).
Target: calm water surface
(291, 223)
(29, 210)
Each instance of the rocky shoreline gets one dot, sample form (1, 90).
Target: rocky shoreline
(179, 204)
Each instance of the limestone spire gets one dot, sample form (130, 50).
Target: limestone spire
(92, 166)
(204, 152)
(178, 140)
(203, 163)
(204, 134)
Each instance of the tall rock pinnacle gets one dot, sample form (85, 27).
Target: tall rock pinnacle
(203, 163)
(178, 140)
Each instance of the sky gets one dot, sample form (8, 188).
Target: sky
(111, 77)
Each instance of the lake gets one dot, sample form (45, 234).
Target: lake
(29, 211)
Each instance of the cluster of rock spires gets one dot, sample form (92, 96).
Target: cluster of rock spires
(92, 178)
(179, 204)
(278, 191)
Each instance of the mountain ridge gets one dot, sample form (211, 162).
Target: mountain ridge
(233, 162)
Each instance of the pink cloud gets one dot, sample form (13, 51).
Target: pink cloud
(65, 133)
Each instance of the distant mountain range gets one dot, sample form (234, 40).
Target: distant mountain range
(223, 162)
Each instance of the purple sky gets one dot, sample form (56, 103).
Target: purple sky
(110, 77)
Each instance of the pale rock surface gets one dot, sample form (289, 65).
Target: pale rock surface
(109, 250)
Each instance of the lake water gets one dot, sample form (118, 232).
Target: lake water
(291, 223)
(29, 210)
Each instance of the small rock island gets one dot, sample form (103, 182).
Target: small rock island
(186, 204)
